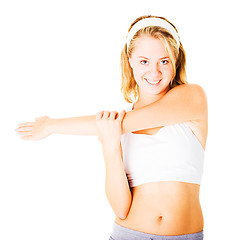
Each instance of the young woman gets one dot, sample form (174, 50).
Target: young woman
(154, 151)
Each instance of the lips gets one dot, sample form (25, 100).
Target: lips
(155, 83)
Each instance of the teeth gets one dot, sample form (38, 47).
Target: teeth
(154, 82)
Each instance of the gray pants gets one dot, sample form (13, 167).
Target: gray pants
(122, 233)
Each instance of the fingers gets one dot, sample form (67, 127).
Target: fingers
(113, 115)
(33, 130)
(24, 128)
(102, 115)
(99, 115)
(106, 115)
(30, 124)
(27, 138)
(24, 131)
(121, 115)
(27, 124)
(25, 135)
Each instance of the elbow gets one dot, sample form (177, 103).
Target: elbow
(120, 204)
(123, 213)
(120, 208)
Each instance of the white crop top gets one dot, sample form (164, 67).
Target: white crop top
(172, 154)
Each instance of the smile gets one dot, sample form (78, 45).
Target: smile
(153, 83)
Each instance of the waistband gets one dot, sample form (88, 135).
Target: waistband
(123, 233)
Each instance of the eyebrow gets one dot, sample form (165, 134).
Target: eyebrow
(143, 57)
(148, 58)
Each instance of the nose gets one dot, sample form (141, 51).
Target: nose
(154, 73)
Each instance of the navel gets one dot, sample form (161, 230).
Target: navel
(160, 218)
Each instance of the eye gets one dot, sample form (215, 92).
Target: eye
(144, 62)
(164, 62)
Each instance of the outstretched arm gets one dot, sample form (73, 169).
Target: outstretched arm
(182, 103)
(44, 126)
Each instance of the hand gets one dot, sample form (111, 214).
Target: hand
(34, 130)
(109, 127)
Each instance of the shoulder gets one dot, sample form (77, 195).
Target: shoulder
(197, 94)
(191, 100)
(199, 106)
(190, 88)
(194, 94)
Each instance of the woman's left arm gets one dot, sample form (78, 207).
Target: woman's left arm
(183, 103)
(116, 184)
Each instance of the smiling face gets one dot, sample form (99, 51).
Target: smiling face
(152, 67)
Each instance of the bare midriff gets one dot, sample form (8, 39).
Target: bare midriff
(165, 208)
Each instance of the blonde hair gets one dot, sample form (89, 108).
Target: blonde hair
(129, 86)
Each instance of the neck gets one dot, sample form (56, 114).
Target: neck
(144, 99)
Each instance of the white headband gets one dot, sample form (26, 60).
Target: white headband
(146, 22)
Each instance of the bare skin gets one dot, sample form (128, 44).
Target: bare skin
(164, 208)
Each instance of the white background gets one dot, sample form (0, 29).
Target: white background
(61, 59)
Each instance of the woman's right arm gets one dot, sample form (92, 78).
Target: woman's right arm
(183, 103)
(84, 125)
(44, 126)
